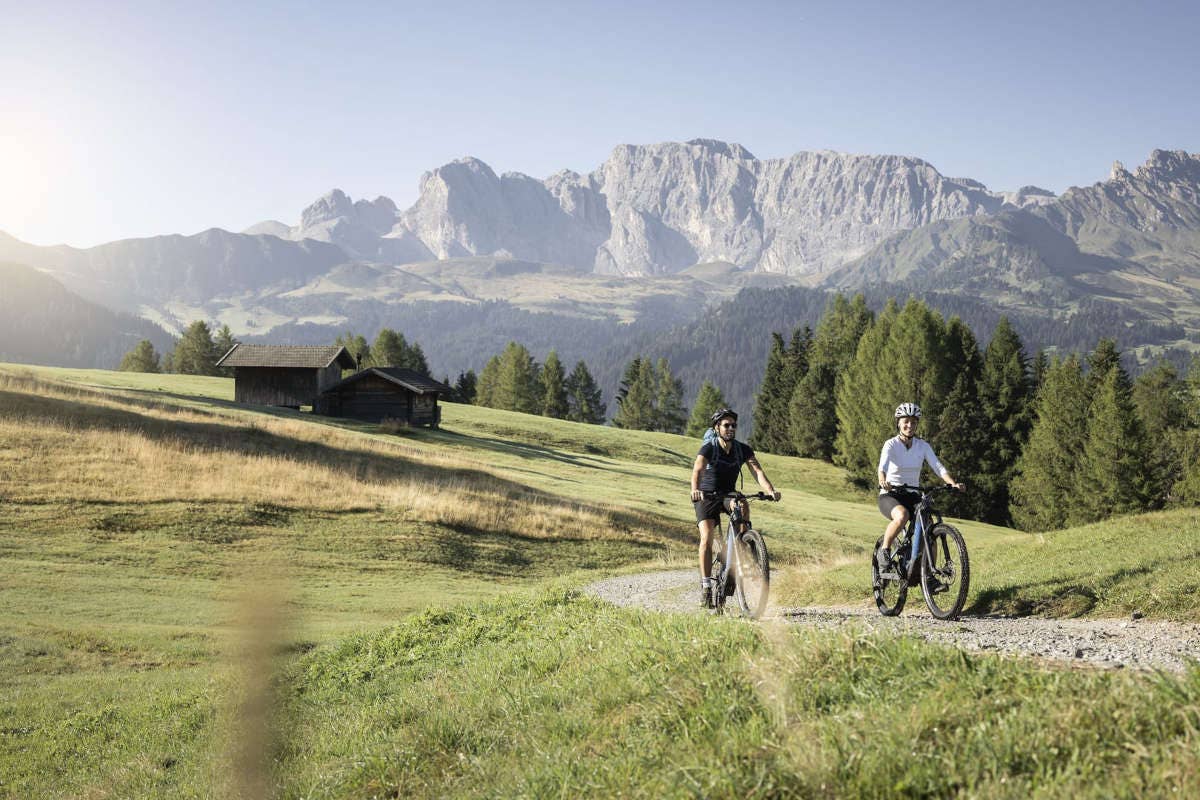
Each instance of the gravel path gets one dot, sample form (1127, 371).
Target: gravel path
(1115, 643)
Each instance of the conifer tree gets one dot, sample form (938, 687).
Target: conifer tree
(1105, 357)
(635, 409)
(1190, 392)
(517, 387)
(671, 414)
(223, 340)
(902, 359)
(812, 414)
(1042, 489)
(628, 379)
(708, 402)
(786, 367)
(864, 414)
(770, 407)
(142, 358)
(1158, 396)
(916, 364)
(584, 402)
(554, 392)
(1112, 477)
(485, 388)
(196, 353)
(1041, 363)
(390, 349)
(960, 438)
(798, 353)
(464, 387)
(1005, 393)
(1186, 439)
(414, 359)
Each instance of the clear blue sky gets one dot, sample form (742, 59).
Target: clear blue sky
(129, 119)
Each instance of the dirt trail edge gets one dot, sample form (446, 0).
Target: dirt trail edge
(1114, 643)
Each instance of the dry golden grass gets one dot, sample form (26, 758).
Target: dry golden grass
(63, 442)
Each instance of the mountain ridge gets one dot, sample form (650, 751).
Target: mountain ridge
(641, 232)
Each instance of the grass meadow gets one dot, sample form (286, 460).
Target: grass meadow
(203, 600)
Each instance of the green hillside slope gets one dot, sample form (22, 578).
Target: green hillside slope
(167, 557)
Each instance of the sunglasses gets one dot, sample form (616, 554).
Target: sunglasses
(728, 424)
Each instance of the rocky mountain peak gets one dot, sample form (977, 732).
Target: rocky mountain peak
(328, 207)
(1170, 166)
(727, 149)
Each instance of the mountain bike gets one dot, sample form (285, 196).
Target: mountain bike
(741, 568)
(930, 549)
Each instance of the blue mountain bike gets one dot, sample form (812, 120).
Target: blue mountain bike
(930, 550)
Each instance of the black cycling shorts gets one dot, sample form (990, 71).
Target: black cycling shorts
(889, 500)
(712, 508)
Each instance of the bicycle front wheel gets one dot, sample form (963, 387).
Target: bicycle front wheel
(945, 572)
(890, 593)
(753, 570)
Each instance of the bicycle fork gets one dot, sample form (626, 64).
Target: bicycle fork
(720, 590)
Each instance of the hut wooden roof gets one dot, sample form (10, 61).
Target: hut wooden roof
(414, 381)
(286, 355)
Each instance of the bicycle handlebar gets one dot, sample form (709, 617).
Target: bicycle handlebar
(945, 487)
(739, 495)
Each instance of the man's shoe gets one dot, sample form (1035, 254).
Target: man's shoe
(705, 597)
(883, 560)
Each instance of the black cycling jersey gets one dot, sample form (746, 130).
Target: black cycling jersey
(721, 472)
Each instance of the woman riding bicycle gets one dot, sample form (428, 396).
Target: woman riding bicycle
(900, 464)
(715, 473)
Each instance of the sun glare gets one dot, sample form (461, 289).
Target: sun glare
(24, 178)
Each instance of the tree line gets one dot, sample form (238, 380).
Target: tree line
(197, 351)
(650, 396)
(1045, 442)
(515, 381)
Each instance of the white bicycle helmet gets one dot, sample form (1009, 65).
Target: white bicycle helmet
(908, 410)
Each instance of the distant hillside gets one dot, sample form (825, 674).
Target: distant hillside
(726, 342)
(43, 323)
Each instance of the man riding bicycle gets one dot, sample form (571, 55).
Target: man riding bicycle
(900, 464)
(715, 473)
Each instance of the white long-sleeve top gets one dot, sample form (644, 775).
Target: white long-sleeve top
(902, 465)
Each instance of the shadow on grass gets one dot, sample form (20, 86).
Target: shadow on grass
(238, 438)
(1062, 598)
(512, 555)
(520, 449)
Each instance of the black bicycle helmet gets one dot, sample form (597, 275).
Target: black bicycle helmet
(722, 414)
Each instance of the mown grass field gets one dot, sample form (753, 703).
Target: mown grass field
(204, 600)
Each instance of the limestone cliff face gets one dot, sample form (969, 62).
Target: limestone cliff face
(660, 208)
(1133, 239)
(465, 209)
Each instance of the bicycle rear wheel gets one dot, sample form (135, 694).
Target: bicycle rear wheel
(890, 593)
(752, 567)
(945, 572)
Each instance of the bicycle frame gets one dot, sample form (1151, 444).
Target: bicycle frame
(731, 533)
(923, 518)
(727, 560)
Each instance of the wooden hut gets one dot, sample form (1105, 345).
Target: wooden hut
(380, 393)
(284, 375)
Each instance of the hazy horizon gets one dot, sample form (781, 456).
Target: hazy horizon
(129, 120)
